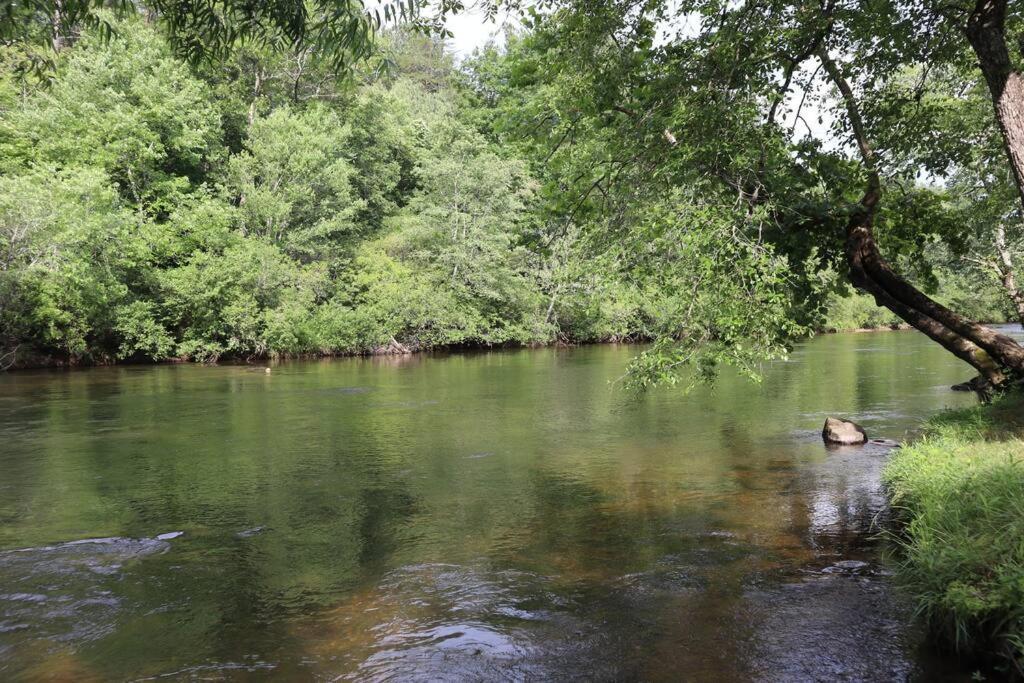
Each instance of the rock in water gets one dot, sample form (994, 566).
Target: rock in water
(843, 432)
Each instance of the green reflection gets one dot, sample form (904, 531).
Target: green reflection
(318, 503)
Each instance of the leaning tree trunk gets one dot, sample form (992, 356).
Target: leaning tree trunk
(864, 259)
(990, 353)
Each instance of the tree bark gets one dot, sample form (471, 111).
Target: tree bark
(1006, 272)
(1003, 348)
(985, 350)
(256, 90)
(861, 248)
(985, 31)
(57, 26)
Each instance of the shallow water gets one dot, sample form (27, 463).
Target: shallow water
(487, 516)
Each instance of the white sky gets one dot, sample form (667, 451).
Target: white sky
(471, 30)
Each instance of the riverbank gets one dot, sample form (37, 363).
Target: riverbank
(32, 360)
(958, 498)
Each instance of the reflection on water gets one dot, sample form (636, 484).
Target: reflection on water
(500, 516)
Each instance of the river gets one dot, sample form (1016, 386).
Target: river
(507, 515)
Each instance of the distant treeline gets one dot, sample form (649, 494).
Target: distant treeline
(266, 207)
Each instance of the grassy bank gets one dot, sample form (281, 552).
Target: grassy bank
(958, 494)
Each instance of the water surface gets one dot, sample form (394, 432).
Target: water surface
(509, 515)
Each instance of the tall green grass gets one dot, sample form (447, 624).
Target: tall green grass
(958, 494)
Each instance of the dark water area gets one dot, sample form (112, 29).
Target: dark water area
(513, 515)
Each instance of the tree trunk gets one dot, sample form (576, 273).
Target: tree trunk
(1003, 348)
(57, 26)
(1006, 273)
(861, 249)
(988, 352)
(985, 31)
(256, 89)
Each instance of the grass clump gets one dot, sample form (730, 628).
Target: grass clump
(959, 494)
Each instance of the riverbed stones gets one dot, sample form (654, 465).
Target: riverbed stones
(843, 432)
(847, 567)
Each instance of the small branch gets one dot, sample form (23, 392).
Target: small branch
(867, 153)
(8, 359)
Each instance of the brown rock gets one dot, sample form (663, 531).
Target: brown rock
(843, 432)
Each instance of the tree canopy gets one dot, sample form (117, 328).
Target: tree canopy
(707, 97)
(341, 30)
(712, 177)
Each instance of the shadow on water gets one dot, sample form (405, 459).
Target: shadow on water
(494, 516)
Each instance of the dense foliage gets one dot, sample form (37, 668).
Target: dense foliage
(637, 106)
(266, 205)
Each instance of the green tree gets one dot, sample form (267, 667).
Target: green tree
(71, 255)
(381, 142)
(630, 100)
(344, 31)
(293, 183)
(129, 108)
(249, 300)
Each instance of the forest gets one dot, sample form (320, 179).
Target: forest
(265, 205)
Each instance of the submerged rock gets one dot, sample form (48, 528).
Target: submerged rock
(843, 432)
(67, 592)
(846, 567)
(249, 533)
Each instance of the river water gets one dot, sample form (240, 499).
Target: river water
(510, 515)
